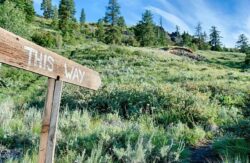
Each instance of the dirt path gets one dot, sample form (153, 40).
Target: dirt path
(6, 154)
(204, 154)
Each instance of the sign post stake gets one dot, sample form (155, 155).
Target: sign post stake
(50, 120)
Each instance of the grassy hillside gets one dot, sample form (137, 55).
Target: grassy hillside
(153, 106)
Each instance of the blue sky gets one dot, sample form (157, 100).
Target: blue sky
(232, 17)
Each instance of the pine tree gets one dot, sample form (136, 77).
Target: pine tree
(82, 17)
(176, 36)
(199, 35)
(247, 59)
(100, 32)
(204, 36)
(200, 38)
(215, 39)
(55, 17)
(113, 12)
(113, 35)
(65, 15)
(198, 31)
(242, 43)
(112, 17)
(205, 44)
(186, 39)
(55, 12)
(72, 9)
(29, 9)
(46, 6)
(161, 34)
(161, 26)
(121, 22)
(144, 31)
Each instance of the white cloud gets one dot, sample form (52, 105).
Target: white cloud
(168, 6)
(170, 18)
(188, 13)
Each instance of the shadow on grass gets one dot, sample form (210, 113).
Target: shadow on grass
(227, 63)
(20, 141)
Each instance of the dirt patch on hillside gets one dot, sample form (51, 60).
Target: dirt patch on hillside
(180, 51)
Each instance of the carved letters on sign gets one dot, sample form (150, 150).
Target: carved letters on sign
(21, 53)
(46, 62)
(40, 60)
(74, 73)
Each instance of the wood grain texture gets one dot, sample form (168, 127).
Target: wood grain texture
(50, 121)
(21, 53)
(50, 152)
(46, 121)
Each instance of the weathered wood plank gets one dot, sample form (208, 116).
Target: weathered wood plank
(46, 121)
(53, 122)
(24, 54)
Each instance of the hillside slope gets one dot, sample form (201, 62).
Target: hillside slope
(153, 106)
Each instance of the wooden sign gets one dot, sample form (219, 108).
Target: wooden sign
(21, 53)
(24, 54)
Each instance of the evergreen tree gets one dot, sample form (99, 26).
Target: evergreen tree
(65, 15)
(55, 16)
(82, 17)
(29, 9)
(121, 22)
(205, 44)
(215, 39)
(204, 36)
(176, 36)
(161, 26)
(247, 59)
(161, 34)
(242, 43)
(200, 38)
(199, 35)
(100, 32)
(55, 12)
(113, 12)
(46, 6)
(144, 30)
(198, 31)
(113, 18)
(72, 9)
(177, 30)
(129, 38)
(113, 35)
(186, 39)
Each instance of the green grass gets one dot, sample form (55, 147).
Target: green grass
(152, 106)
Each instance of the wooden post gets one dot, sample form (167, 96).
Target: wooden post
(50, 120)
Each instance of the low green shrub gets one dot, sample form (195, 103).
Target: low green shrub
(235, 159)
(13, 19)
(241, 129)
(145, 151)
(232, 146)
(6, 112)
(183, 132)
(45, 39)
